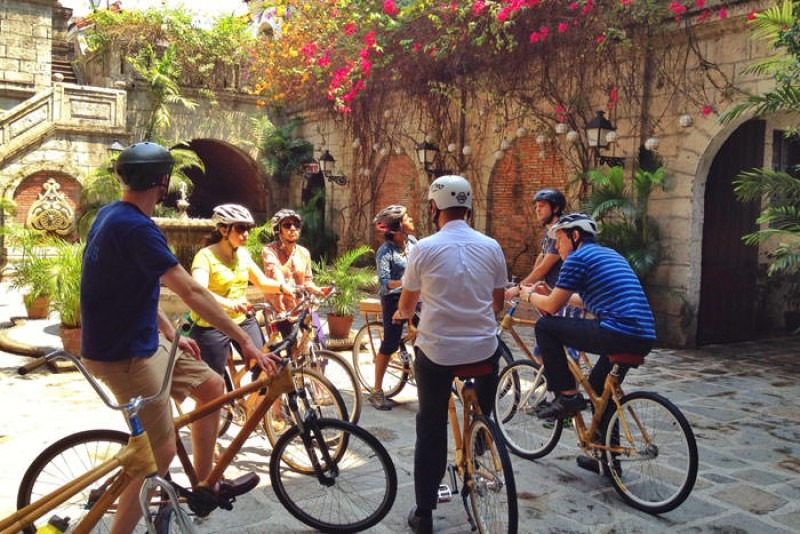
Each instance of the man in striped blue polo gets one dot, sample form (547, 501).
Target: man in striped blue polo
(600, 280)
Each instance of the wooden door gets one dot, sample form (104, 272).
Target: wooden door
(729, 267)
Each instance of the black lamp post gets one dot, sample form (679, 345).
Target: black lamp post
(426, 155)
(327, 164)
(597, 131)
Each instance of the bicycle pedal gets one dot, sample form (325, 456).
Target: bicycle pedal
(444, 494)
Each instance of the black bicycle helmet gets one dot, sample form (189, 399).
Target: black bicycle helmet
(388, 219)
(143, 165)
(281, 216)
(554, 197)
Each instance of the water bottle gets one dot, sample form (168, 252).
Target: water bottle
(55, 525)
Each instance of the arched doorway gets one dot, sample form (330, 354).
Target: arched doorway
(729, 267)
(231, 177)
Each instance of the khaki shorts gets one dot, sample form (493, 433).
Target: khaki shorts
(143, 376)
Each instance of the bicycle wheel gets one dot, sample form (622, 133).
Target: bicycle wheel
(340, 373)
(321, 395)
(658, 468)
(521, 388)
(506, 356)
(365, 347)
(226, 413)
(64, 461)
(169, 519)
(354, 486)
(493, 495)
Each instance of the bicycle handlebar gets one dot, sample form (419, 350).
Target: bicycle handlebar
(305, 300)
(136, 402)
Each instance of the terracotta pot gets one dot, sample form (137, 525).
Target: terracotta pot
(339, 326)
(38, 308)
(71, 339)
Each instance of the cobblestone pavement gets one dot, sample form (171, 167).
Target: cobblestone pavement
(741, 401)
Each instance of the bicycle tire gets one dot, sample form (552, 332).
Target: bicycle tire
(521, 388)
(316, 387)
(362, 480)
(365, 348)
(167, 520)
(493, 493)
(64, 461)
(506, 356)
(226, 412)
(657, 477)
(340, 373)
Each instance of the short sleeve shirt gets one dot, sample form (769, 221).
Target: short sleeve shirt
(125, 256)
(227, 280)
(456, 271)
(294, 268)
(609, 289)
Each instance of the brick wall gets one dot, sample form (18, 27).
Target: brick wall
(510, 216)
(397, 183)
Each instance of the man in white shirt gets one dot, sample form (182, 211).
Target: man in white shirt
(460, 276)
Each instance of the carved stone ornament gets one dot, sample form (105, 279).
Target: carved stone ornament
(51, 212)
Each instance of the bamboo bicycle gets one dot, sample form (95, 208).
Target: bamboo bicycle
(641, 440)
(481, 461)
(330, 474)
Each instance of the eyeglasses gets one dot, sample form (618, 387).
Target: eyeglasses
(288, 225)
(242, 228)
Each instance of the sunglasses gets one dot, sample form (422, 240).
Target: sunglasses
(288, 225)
(242, 228)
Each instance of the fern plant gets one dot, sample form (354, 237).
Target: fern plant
(621, 210)
(351, 282)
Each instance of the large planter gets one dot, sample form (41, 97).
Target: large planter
(339, 326)
(38, 307)
(71, 339)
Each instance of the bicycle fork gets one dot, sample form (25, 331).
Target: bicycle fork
(311, 434)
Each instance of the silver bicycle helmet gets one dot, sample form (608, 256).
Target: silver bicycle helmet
(451, 192)
(228, 214)
(579, 221)
(388, 219)
(281, 216)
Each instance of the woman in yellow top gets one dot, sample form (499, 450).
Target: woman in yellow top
(225, 267)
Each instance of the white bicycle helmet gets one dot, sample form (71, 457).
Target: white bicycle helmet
(451, 192)
(579, 221)
(228, 214)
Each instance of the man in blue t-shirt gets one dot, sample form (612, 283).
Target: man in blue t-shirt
(124, 264)
(600, 280)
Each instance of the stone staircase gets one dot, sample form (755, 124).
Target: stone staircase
(62, 56)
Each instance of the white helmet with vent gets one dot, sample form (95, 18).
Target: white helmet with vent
(451, 192)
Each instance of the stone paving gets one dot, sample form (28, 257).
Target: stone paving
(741, 401)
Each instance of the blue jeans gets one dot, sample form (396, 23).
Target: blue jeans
(553, 333)
(433, 390)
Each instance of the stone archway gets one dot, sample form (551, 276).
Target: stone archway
(231, 176)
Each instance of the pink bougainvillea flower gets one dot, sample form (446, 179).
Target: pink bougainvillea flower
(389, 7)
(703, 16)
(502, 15)
(350, 28)
(723, 13)
(700, 3)
(573, 6)
(707, 110)
(562, 27)
(613, 98)
(417, 46)
(369, 38)
(677, 8)
(600, 39)
(751, 15)
(626, 2)
(478, 7)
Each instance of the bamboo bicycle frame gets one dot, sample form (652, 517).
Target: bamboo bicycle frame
(136, 458)
(469, 398)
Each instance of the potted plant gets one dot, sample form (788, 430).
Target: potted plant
(351, 284)
(66, 298)
(32, 275)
